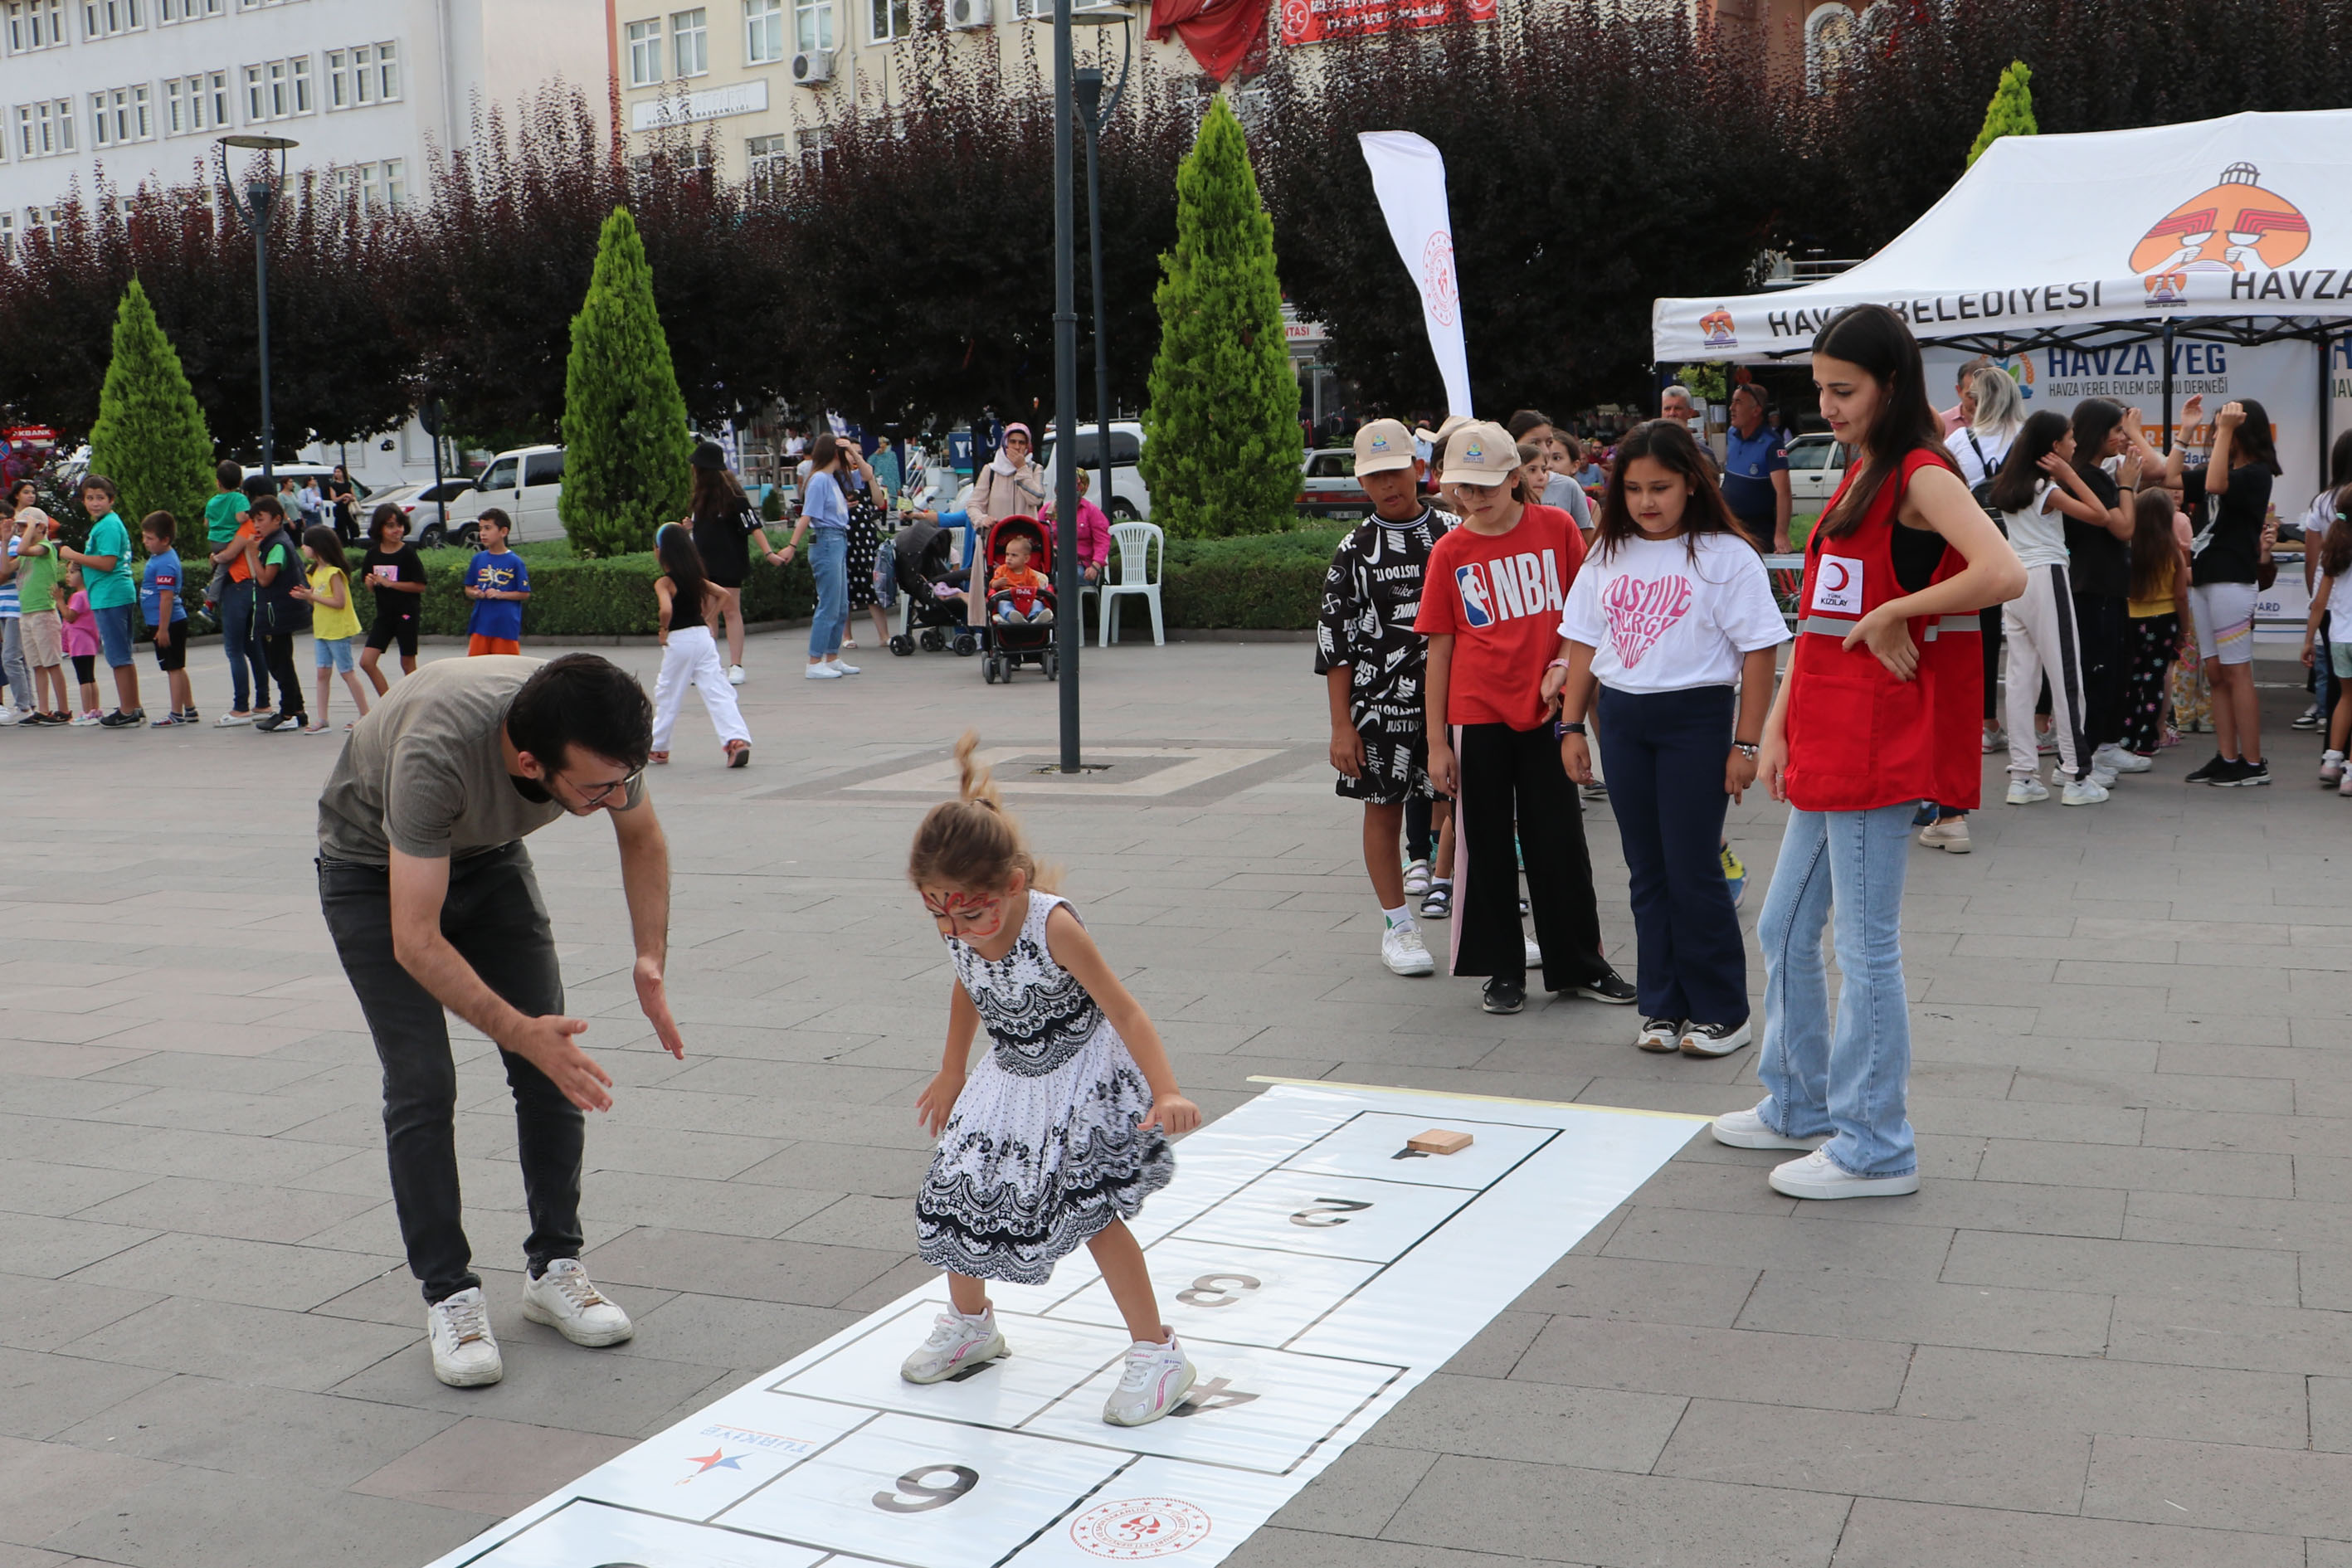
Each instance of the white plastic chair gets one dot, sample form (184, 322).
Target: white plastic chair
(1140, 553)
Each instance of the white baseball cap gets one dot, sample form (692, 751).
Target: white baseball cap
(1480, 453)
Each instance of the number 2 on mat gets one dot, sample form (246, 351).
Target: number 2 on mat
(916, 1495)
(1327, 1212)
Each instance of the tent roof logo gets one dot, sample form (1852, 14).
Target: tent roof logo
(2231, 227)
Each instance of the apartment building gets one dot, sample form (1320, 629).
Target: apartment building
(138, 90)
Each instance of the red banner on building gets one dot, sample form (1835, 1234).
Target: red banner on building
(1313, 21)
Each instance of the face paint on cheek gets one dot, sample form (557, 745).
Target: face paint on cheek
(968, 914)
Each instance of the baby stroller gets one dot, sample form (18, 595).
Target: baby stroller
(920, 553)
(1007, 645)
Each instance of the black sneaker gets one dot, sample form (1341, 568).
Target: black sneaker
(1714, 1039)
(276, 721)
(1504, 994)
(1612, 988)
(2218, 768)
(2309, 719)
(119, 719)
(2244, 775)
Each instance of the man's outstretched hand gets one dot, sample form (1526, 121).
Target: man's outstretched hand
(653, 996)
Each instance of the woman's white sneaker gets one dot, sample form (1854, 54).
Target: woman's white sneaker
(1154, 1381)
(1404, 952)
(958, 1343)
(2083, 792)
(2115, 760)
(1818, 1176)
(567, 1301)
(2025, 791)
(464, 1351)
(1746, 1129)
(823, 672)
(1949, 834)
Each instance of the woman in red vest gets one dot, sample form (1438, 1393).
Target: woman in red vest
(1878, 711)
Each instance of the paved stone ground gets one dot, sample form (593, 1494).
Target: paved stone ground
(2115, 1327)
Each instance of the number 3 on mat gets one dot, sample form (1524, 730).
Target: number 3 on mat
(1327, 1212)
(1216, 1289)
(917, 1495)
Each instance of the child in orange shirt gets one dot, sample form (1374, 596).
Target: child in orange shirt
(1013, 592)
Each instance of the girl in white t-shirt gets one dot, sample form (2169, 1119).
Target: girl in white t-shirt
(1673, 617)
(2037, 490)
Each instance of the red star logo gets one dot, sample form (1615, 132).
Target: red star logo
(716, 1459)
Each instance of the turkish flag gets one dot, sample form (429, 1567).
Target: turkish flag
(1221, 33)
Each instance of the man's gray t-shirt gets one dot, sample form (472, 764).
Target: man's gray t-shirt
(425, 772)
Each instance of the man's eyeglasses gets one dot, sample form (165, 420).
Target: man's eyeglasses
(597, 794)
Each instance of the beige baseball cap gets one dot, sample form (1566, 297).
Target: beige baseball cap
(1445, 432)
(1384, 446)
(1480, 453)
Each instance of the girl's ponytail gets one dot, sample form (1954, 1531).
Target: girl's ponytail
(972, 841)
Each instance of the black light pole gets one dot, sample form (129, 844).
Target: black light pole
(1093, 113)
(257, 204)
(1066, 381)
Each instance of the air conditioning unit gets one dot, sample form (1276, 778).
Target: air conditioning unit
(812, 67)
(968, 14)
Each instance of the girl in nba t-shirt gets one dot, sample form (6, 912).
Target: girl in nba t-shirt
(1879, 711)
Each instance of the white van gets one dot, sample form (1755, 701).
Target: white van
(1130, 501)
(525, 484)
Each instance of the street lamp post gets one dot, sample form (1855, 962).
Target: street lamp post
(1093, 111)
(257, 204)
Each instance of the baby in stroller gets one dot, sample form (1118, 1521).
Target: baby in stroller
(1017, 593)
(1016, 621)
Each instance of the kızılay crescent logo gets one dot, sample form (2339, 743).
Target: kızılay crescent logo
(2235, 224)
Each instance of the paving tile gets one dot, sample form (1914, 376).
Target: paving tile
(215, 1339)
(2220, 1486)
(1885, 1534)
(1599, 1516)
(205, 1519)
(722, 1330)
(490, 1466)
(1496, 1348)
(2090, 1393)
(42, 1314)
(1686, 1236)
(311, 1440)
(1273, 1547)
(1705, 1295)
(547, 1385)
(221, 1268)
(2011, 1207)
(1544, 1423)
(49, 1248)
(50, 1486)
(2111, 1268)
(1358, 1493)
(41, 1394)
(1770, 1368)
(2049, 1322)
(227, 1209)
(2153, 1170)
(2202, 1332)
(2032, 1469)
(796, 1271)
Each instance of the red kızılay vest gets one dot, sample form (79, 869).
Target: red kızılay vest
(1859, 738)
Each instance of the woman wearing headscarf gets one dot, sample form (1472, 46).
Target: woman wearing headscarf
(725, 523)
(1010, 485)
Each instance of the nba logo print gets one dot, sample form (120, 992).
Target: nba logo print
(1477, 609)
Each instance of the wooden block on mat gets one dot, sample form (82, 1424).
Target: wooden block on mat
(1439, 1141)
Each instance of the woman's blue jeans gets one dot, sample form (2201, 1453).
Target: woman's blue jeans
(829, 562)
(241, 640)
(1851, 1085)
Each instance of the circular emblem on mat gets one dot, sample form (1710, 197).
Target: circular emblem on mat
(1137, 1527)
(1437, 277)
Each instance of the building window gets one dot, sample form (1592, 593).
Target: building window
(35, 24)
(121, 114)
(1829, 38)
(812, 26)
(374, 186)
(815, 145)
(168, 11)
(887, 19)
(765, 161)
(195, 103)
(42, 221)
(277, 90)
(645, 53)
(689, 42)
(105, 18)
(763, 31)
(7, 236)
(369, 73)
(45, 130)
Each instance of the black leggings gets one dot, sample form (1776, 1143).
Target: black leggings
(277, 647)
(1514, 777)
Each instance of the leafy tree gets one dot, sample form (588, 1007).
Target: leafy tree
(1221, 433)
(2010, 112)
(150, 437)
(624, 432)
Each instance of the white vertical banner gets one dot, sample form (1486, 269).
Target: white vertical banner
(1409, 175)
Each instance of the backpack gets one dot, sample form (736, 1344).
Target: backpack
(1981, 491)
(281, 612)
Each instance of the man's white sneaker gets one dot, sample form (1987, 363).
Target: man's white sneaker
(565, 1301)
(2115, 760)
(1404, 952)
(1154, 1381)
(1416, 879)
(464, 1351)
(1949, 834)
(958, 1343)
(1746, 1129)
(2025, 792)
(823, 672)
(2083, 792)
(1818, 1176)
(735, 675)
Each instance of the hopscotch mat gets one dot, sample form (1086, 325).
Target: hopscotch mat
(1317, 1270)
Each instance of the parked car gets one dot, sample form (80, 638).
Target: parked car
(525, 484)
(1130, 500)
(1816, 467)
(1328, 487)
(423, 505)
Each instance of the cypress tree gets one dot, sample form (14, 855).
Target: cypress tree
(150, 436)
(1221, 448)
(625, 429)
(2010, 112)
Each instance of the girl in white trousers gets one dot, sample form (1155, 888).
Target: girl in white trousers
(689, 653)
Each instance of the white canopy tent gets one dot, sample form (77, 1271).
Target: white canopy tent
(2095, 247)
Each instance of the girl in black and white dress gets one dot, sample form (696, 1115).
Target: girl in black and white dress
(1057, 1137)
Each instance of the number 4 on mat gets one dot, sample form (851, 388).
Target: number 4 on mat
(1217, 1393)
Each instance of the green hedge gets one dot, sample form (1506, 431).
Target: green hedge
(1265, 582)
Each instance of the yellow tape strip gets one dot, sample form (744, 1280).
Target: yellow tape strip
(1482, 1099)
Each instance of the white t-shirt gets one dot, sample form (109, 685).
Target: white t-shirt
(2037, 533)
(1996, 452)
(1657, 620)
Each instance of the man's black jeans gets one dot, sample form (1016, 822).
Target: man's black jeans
(496, 919)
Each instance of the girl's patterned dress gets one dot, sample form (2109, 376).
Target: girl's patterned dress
(1041, 1151)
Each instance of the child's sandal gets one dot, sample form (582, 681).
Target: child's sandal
(657, 757)
(1437, 904)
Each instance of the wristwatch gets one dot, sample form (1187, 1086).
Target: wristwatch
(1747, 749)
(1575, 727)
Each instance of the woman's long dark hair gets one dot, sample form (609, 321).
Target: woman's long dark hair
(1875, 338)
(19, 486)
(825, 453)
(2012, 487)
(2251, 441)
(2155, 552)
(2335, 553)
(716, 493)
(2340, 461)
(2095, 419)
(327, 546)
(1668, 444)
(682, 564)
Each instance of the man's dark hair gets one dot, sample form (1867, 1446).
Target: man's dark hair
(228, 475)
(584, 700)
